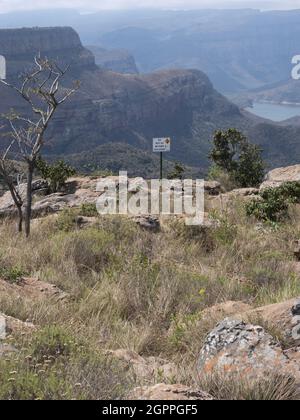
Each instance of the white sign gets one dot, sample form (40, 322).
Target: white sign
(162, 144)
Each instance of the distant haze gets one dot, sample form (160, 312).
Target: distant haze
(93, 5)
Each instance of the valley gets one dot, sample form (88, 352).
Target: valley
(277, 112)
(134, 108)
(239, 50)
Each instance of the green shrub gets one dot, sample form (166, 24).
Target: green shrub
(234, 154)
(273, 203)
(226, 232)
(12, 274)
(53, 365)
(56, 174)
(88, 210)
(19, 381)
(102, 173)
(66, 220)
(52, 342)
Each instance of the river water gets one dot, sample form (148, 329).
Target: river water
(274, 112)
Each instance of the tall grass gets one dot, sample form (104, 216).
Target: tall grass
(140, 290)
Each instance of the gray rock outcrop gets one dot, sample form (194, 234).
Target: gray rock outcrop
(240, 350)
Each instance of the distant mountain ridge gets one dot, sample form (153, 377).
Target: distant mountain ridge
(59, 43)
(238, 49)
(132, 109)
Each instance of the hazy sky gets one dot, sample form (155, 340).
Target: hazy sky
(90, 5)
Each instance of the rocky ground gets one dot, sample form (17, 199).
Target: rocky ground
(147, 308)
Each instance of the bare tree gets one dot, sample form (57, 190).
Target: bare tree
(41, 89)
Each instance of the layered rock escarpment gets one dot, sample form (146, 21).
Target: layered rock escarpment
(113, 107)
(132, 109)
(20, 46)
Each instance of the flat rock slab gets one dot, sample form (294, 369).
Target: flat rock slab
(278, 176)
(33, 289)
(16, 326)
(145, 368)
(10, 326)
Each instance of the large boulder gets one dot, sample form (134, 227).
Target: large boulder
(163, 392)
(7, 206)
(78, 191)
(278, 176)
(240, 350)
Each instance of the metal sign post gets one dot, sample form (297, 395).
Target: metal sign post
(161, 145)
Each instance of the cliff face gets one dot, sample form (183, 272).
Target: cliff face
(19, 46)
(132, 109)
(112, 107)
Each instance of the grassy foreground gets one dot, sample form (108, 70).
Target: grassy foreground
(136, 290)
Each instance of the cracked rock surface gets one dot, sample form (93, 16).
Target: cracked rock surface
(240, 349)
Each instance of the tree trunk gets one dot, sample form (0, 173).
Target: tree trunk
(20, 222)
(30, 169)
(18, 202)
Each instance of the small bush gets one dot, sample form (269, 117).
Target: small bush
(234, 154)
(56, 174)
(225, 232)
(53, 365)
(52, 342)
(66, 220)
(13, 274)
(88, 210)
(273, 203)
